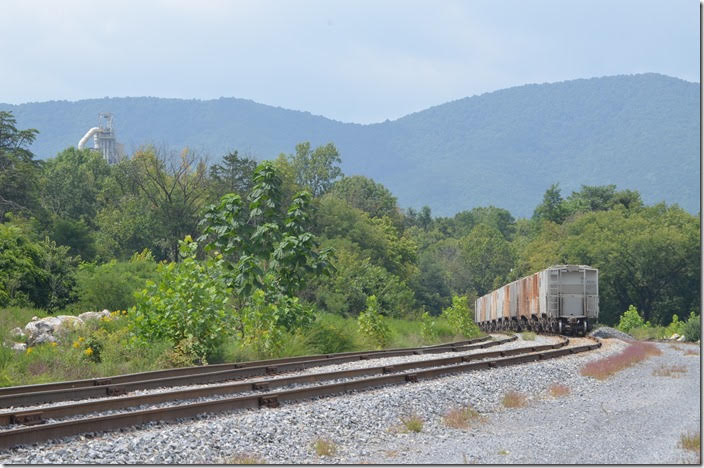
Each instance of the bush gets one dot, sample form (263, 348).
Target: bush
(328, 338)
(112, 285)
(372, 325)
(692, 328)
(189, 302)
(630, 319)
(428, 328)
(460, 319)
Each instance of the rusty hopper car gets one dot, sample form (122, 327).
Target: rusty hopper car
(559, 299)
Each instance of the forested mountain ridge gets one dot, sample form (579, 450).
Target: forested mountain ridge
(501, 148)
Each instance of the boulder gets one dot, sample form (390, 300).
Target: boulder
(86, 316)
(45, 330)
(674, 336)
(20, 347)
(681, 338)
(17, 333)
(608, 332)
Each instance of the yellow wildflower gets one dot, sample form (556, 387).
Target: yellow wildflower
(76, 344)
(53, 343)
(88, 351)
(80, 338)
(29, 350)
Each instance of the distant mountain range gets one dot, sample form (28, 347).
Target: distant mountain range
(502, 148)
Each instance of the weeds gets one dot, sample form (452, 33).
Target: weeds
(460, 418)
(412, 422)
(690, 441)
(324, 448)
(559, 390)
(669, 371)
(514, 399)
(691, 352)
(244, 459)
(606, 367)
(528, 336)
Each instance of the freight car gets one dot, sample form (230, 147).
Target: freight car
(559, 299)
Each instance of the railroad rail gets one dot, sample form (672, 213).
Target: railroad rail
(38, 429)
(212, 368)
(122, 384)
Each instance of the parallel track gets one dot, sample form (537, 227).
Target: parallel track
(38, 430)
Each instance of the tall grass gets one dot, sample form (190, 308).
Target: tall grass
(608, 366)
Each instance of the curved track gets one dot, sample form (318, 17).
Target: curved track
(259, 391)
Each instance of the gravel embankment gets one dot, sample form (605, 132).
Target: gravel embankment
(634, 417)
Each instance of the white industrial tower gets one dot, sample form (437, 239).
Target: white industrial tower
(104, 139)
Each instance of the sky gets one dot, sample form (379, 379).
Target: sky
(353, 61)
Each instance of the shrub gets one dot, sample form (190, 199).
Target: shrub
(460, 418)
(327, 338)
(113, 284)
(459, 317)
(513, 399)
(428, 328)
(630, 319)
(189, 302)
(692, 328)
(634, 353)
(676, 326)
(372, 324)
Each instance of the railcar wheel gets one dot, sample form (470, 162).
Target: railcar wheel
(559, 326)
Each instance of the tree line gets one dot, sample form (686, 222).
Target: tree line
(76, 232)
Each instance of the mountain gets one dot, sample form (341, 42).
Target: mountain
(503, 148)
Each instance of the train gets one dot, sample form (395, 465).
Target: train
(560, 299)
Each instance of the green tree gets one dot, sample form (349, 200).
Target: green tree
(372, 324)
(73, 184)
(19, 172)
(234, 175)
(553, 206)
(188, 305)
(265, 258)
(369, 196)
(460, 317)
(488, 257)
(318, 169)
(175, 190)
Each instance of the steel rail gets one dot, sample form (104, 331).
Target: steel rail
(148, 375)
(36, 416)
(40, 433)
(111, 387)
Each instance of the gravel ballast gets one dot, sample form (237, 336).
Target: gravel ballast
(633, 417)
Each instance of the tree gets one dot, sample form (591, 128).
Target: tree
(371, 197)
(175, 189)
(73, 184)
(234, 175)
(18, 170)
(488, 257)
(316, 170)
(601, 198)
(259, 249)
(552, 208)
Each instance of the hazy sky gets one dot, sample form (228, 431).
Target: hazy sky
(354, 61)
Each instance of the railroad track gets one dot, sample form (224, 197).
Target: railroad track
(40, 424)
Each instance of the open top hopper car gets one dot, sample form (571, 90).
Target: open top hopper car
(559, 299)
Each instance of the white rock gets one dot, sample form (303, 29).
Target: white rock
(674, 336)
(681, 338)
(85, 316)
(45, 330)
(19, 347)
(17, 333)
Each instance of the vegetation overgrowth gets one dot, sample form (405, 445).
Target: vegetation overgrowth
(243, 260)
(634, 353)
